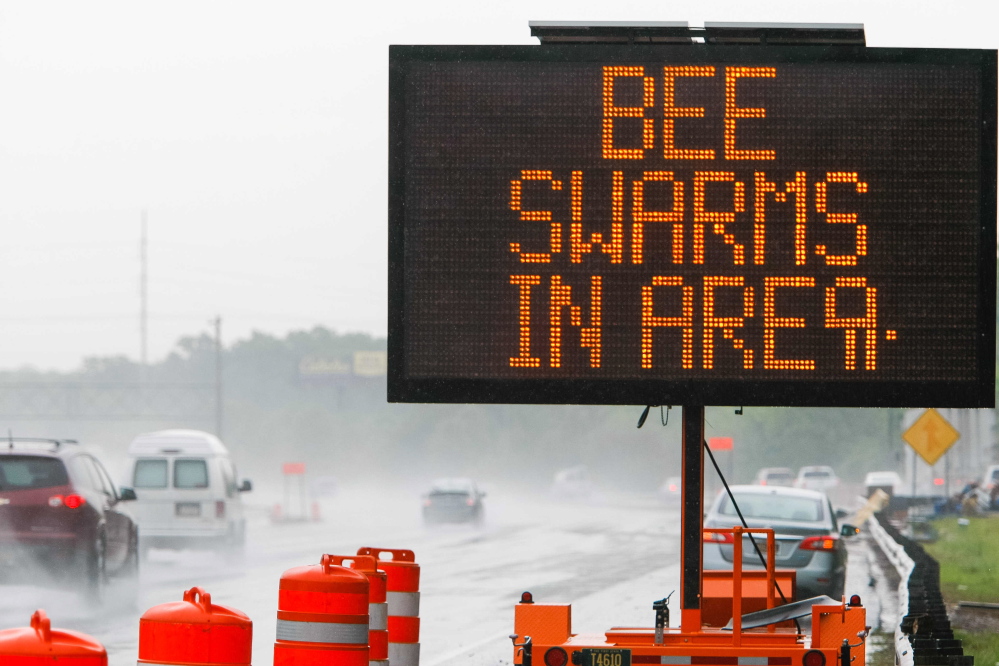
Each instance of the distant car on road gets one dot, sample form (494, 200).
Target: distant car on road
(889, 482)
(456, 500)
(324, 486)
(774, 476)
(991, 477)
(671, 489)
(817, 477)
(572, 483)
(806, 532)
(59, 509)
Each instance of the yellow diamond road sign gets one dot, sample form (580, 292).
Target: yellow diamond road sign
(930, 436)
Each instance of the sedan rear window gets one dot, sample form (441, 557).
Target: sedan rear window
(190, 474)
(774, 507)
(26, 472)
(150, 473)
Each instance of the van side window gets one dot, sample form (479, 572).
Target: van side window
(190, 473)
(150, 473)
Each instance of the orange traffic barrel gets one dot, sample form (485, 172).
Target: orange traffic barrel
(195, 632)
(40, 645)
(403, 597)
(378, 640)
(322, 616)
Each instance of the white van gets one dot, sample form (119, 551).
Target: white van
(186, 491)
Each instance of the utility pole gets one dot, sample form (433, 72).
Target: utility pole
(143, 333)
(218, 376)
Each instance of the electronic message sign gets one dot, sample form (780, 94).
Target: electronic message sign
(692, 225)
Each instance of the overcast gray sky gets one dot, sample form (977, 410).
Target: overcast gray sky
(255, 137)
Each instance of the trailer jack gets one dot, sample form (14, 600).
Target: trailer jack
(523, 649)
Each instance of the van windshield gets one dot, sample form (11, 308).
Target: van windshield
(150, 473)
(190, 474)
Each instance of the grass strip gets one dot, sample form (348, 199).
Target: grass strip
(969, 565)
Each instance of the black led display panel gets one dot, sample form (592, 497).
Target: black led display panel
(692, 224)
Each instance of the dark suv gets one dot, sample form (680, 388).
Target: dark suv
(60, 510)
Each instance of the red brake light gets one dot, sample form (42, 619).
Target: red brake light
(719, 537)
(219, 509)
(556, 656)
(672, 487)
(73, 501)
(818, 543)
(470, 502)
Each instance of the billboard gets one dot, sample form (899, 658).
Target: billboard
(794, 225)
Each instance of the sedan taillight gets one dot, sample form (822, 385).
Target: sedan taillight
(220, 509)
(719, 537)
(73, 501)
(818, 543)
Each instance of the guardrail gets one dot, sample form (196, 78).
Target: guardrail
(923, 636)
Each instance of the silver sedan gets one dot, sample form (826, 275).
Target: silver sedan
(806, 532)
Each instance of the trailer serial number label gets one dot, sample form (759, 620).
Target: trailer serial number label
(693, 222)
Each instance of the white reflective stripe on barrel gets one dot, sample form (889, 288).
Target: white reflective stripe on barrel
(322, 632)
(378, 617)
(404, 654)
(403, 604)
(179, 663)
(378, 662)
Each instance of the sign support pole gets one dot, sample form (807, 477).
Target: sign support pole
(692, 518)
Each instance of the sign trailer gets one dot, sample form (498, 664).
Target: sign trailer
(652, 214)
